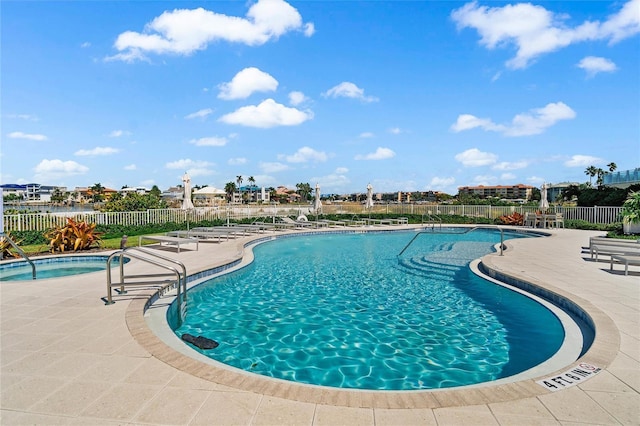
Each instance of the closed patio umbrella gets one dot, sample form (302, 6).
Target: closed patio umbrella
(186, 197)
(317, 205)
(544, 203)
(369, 203)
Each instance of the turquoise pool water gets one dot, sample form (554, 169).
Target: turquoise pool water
(343, 310)
(52, 267)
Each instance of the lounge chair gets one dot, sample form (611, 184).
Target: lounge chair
(331, 223)
(531, 220)
(296, 223)
(303, 223)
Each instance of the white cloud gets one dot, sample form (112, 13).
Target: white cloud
(210, 141)
(237, 161)
(54, 169)
(536, 180)
(265, 180)
(441, 184)
(342, 170)
(193, 168)
(85, 45)
(348, 90)
(129, 56)
(97, 151)
(130, 167)
(505, 165)
(534, 122)
(485, 180)
(468, 121)
(539, 119)
(199, 171)
(203, 113)
(583, 161)
(507, 176)
(188, 165)
(28, 136)
(623, 24)
(118, 133)
(296, 98)
(331, 182)
(395, 130)
(366, 135)
(273, 167)
(267, 114)
(247, 82)
(306, 154)
(379, 154)
(185, 31)
(535, 30)
(593, 65)
(475, 158)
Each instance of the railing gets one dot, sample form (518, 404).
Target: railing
(431, 219)
(143, 279)
(20, 252)
(45, 221)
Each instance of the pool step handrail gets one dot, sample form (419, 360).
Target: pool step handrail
(20, 252)
(432, 220)
(176, 269)
(464, 232)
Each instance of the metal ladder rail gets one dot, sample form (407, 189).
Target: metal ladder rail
(21, 253)
(432, 219)
(181, 279)
(465, 232)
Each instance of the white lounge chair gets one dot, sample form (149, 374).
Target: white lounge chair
(531, 220)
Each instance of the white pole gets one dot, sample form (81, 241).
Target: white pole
(1, 212)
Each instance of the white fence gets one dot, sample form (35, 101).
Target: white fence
(45, 221)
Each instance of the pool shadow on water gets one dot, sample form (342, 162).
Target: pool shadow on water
(532, 336)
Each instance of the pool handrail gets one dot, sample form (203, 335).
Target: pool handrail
(21, 253)
(431, 219)
(181, 279)
(464, 232)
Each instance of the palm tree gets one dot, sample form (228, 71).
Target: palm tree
(591, 171)
(600, 173)
(239, 181)
(252, 182)
(612, 167)
(156, 191)
(230, 188)
(304, 189)
(97, 190)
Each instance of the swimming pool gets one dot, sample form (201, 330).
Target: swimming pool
(52, 267)
(343, 310)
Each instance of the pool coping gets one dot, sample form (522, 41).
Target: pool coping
(602, 352)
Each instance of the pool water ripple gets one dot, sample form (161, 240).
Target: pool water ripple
(342, 311)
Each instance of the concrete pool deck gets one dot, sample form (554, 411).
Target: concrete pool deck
(66, 358)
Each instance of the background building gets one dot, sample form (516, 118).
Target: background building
(622, 179)
(518, 191)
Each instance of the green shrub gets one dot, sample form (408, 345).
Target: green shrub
(30, 237)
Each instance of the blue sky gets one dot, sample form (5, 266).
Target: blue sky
(407, 96)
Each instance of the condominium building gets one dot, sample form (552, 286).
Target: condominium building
(518, 191)
(622, 179)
